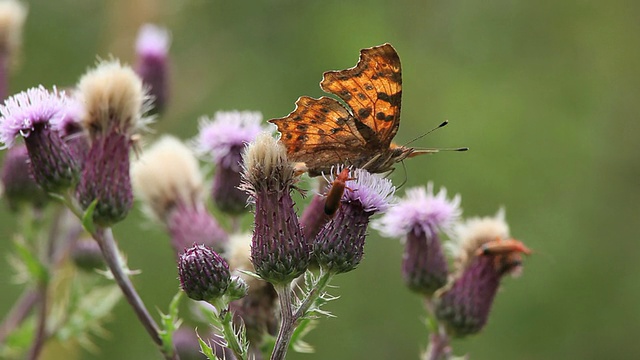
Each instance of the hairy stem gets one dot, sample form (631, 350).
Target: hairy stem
(287, 324)
(230, 336)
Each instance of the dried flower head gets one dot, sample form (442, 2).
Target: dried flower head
(419, 218)
(114, 101)
(12, 16)
(465, 303)
(279, 251)
(167, 179)
(339, 247)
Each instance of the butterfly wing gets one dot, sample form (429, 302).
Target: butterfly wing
(373, 90)
(321, 133)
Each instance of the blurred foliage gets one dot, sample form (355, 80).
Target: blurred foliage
(543, 92)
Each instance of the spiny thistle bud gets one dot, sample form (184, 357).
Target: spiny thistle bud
(35, 114)
(204, 275)
(114, 101)
(339, 247)
(152, 50)
(313, 217)
(12, 16)
(279, 251)
(464, 304)
(222, 140)
(19, 186)
(419, 218)
(168, 181)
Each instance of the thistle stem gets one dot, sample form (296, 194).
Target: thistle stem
(287, 324)
(40, 331)
(439, 343)
(18, 313)
(105, 239)
(230, 335)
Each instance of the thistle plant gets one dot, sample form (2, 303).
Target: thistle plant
(75, 159)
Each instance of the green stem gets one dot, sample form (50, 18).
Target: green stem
(314, 294)
(226, 319)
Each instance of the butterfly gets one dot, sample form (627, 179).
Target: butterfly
(322, 133)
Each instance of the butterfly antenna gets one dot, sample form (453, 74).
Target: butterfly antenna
(443, 124)
(404, 167)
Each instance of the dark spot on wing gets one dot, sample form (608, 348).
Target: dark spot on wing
(364, 113)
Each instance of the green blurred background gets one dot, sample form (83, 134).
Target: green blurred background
(543, 92)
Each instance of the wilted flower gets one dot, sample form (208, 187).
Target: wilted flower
(168, 181)
(465, 303)
(419, 218)
(12, 16)
(114, 101)
(278, 250)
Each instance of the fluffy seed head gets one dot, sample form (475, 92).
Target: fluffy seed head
(12, 16)
(266, 166)
(167, 174)
(114, 99)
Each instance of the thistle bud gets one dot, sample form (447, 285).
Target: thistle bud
(222, 140)
(86, 255)
(339, 247)
(418, 219)
(465, 303)
(114, 101)
(152, 50)
(279, 251)
(168, 181)
(204, 275)
(17, 181)
(35, 115)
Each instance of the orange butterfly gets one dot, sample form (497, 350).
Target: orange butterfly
(322, 132)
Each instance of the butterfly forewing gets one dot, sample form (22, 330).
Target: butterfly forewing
(373, 91)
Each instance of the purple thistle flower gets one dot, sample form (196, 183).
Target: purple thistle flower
(204, 275)
(17, 181)
(314, 218)
(35, 115)
(152, 49)
(223, 139)
(71, 130)
(168, 181)
(114, 101)
(418, 218)
(279, 251)
(339, 247)
(464, 305)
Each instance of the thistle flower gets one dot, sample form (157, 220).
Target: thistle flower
(114, 101)
(223, 139)
(204, 275)
(12, 16)
(86, 255)
(279, 251)
(314, 218)
(35, 114)
(339, 247)
(72, 132)
(419, 218)
(168, 181)
(152, 50)
(464, 304)
(17, 181)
